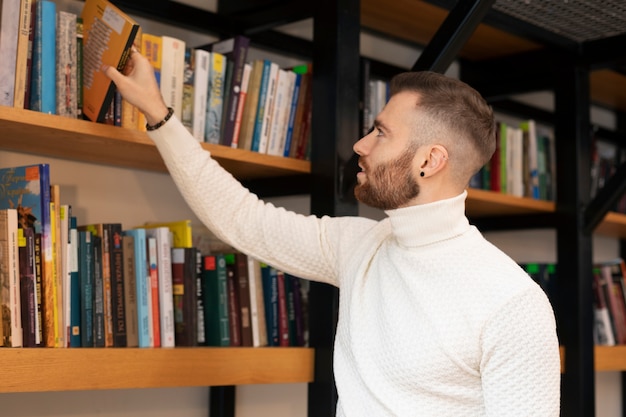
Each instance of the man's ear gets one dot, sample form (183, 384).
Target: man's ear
(436, 159)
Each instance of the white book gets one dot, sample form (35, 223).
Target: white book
(173, 73)
(200, 87)
(163, 238)
(282, 107)
(66, 64)
(9, 25)
(22, 54)
(269, 106)
(257, 306)
(9, 280)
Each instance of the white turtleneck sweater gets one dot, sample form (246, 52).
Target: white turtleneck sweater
(433, 319)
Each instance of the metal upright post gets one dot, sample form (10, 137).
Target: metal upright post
(335, 121)
(574, 245)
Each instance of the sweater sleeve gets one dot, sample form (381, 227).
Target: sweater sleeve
(521, 368)
(305, 246)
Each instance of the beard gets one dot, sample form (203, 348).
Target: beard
(390, 185)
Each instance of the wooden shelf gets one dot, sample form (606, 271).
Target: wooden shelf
(43, 134)
(416, 21)
(482, 203)
(50, 369)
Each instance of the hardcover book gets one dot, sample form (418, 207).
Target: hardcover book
(215, 98)
(28, 287)
(144, 314)
(23, 53)
(66, 64)
(108, 34)
(184, 291)
(217, 332)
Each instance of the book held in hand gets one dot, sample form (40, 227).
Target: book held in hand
(108, 36)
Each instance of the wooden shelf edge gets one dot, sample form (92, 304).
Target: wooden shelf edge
(80, 140)
(49, 369)
(606, 358)
(481, 203)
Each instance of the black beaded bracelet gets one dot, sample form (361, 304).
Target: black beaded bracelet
(168, 116)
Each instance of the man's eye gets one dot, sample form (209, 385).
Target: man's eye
(379, 132)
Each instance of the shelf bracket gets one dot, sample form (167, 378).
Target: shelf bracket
(452, 35)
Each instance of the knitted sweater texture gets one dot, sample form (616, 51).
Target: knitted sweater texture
(433, 319)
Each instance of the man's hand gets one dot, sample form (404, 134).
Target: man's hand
(137, 84)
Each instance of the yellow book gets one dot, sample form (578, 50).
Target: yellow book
(108, 36)
(181, 232)
(151, 48)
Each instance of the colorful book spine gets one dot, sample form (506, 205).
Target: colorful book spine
(117, 293)
(243, 95)
(66, 64)
(187, 112)
(143, 290)
(153, 272)
(266, 124)
(215, 294)
(215, 99)
(23, 53)
(165, 291)
(261, 105)
(74, 333)
(85, 273)
(292, 115)
(130, 291)
(201, 68)
(236, 50)
(43, 78)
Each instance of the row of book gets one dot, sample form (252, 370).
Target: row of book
(52, 61)
(609, 297)
(63, 284)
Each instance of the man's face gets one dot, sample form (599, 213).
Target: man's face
(386, 157)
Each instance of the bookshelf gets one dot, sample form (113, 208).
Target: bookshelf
(413, 21)
(41, 370)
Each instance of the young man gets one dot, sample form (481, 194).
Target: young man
(433, 319)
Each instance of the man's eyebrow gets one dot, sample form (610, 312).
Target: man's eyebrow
(380, 125)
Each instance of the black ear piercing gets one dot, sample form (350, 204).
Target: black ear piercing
(422, 174)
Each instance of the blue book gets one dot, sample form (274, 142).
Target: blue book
(43, 78)
(260, 109)
(292, 114)
(269, 277)
(143, 289)
(86, 280)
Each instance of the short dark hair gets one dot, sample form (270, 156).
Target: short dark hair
(458, 107)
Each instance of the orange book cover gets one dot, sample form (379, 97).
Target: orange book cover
(108, 36)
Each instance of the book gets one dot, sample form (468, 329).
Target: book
(257, 306)
(58, 263)
(114, 234)
(43, 72)
(28, 287)
(27, 189)
(214, 291)
(108, 34)
(184, 294)
(187, 113)
(611, 278)
(79, 67)
(283, 315)
(215, 98)
(201, 65)
(248, 116)
(269, 278)
(162, 237)
(153, 278)
(173, 73)
(10, 310)
(603, 329)
(234, 307)
(144, 319)
(243, 95)
(130, 291)
(235, 49)
(244, 297)
(22, 54)
(86, 280)
(73, 296)
(280, 114)
(292, 114)
(66, 71)
(9, 30)
(181, 232)
(199, 298)
(100, 320)
(261, 138)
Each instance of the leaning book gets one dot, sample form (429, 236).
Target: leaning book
(108, 34)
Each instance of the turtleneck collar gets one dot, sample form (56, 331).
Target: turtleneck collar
(429, 223)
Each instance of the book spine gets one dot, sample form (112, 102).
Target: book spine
(79, 67)
(269, 108)
(215, 98)
(200, 88)
(43, 82)
(292, 114)
(99, 318)
(22, 53)
(66, 64)
(270, 296)
(86, 270)
(130, 291)
(243, 287)
(28, 298)
(118, 310)
(9, 29)
(172, 73)
(39, 317)
(234, 310)
(261, 106)
(243, 94)
(154, 290)
(187, 112)
(74, 335)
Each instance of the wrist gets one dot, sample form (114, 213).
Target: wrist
(154, 117)
(154, 125)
